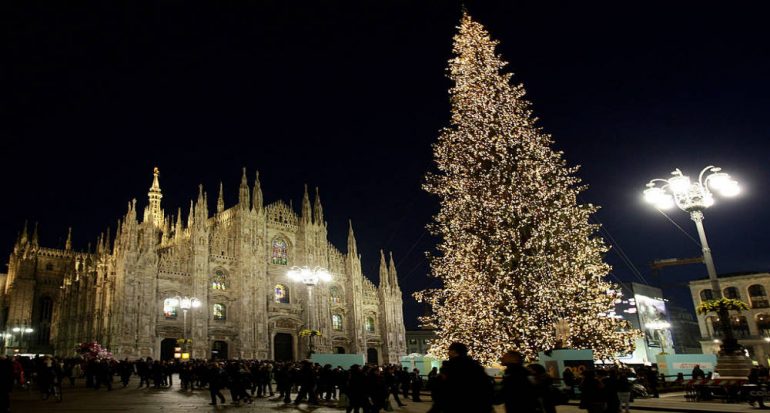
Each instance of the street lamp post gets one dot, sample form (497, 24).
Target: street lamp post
(694, 198)
(185, 303)
(310, 277)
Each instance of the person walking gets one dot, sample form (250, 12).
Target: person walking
(652, 380)
(216, 380)
(611, 391)
(405, 380)
(103, 375)
(624, 391)
(6, 383)
(518, 392)
(391, 380)
(432, 376)
(355, 389)
(377, 390)
(543, 384)
(568, 378)
(416, 383)
(463, 376)
(125, 368)
(307, 384)
(592, 397)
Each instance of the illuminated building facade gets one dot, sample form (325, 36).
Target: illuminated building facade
(752, 327)
(233, 261)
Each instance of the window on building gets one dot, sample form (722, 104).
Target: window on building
(46, 309)
(281, 294)
(706, 295)
(280, 252)
(169, 309)
(49, 267)
(337, 322)
(716, 327)
(334, 295)
(740, 326)
(219, 281)
(412, 341)
(369, 324)
(220, 312)
(763, 324)
(732, 292)
(758, 296)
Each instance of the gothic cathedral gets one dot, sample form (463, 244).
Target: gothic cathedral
(233, 265)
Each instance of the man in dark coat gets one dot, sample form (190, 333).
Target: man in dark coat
(217, 380)
(697, 373)
(568, 378)
(518, 392)
(6, 383)
(416, 383)
(652, 379)
(405, 379)
(465, 387)
(307, 384)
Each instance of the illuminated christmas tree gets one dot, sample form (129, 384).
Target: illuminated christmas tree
(518, 255)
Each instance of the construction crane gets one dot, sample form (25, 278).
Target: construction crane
(657, 265)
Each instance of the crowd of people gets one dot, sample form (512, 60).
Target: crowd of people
(460, 385)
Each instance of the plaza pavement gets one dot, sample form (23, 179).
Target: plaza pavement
(131, 399)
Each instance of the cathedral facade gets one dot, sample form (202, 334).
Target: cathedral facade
(233, 263)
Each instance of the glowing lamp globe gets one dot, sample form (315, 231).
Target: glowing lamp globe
(679, 184)
(731, 189)
(719, 181)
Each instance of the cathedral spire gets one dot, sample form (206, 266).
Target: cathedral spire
(24, 235)
(100, 243)
(243, 192)
(178, 226)
(68, 243)
(318, 211)
(201, 207)
(221, 199)
(131, 214)
(34, 236)
(352, 248)
(306, 214)
(384, 282)
(107, 241)
(155, 195)
(190, 215)
(167, 229)
(392, 271)
(256, 201)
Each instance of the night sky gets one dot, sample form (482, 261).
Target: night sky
(349, 96)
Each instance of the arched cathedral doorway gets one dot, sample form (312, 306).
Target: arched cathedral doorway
(283, 347)
(219, 350)
(167, 346)
(372, 356)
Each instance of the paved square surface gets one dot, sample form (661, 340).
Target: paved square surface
(173, 400)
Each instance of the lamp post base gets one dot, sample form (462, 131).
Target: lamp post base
(733, 365)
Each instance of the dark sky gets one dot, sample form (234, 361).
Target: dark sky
(348, 96)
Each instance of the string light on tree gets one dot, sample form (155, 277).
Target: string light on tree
(517, 252)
